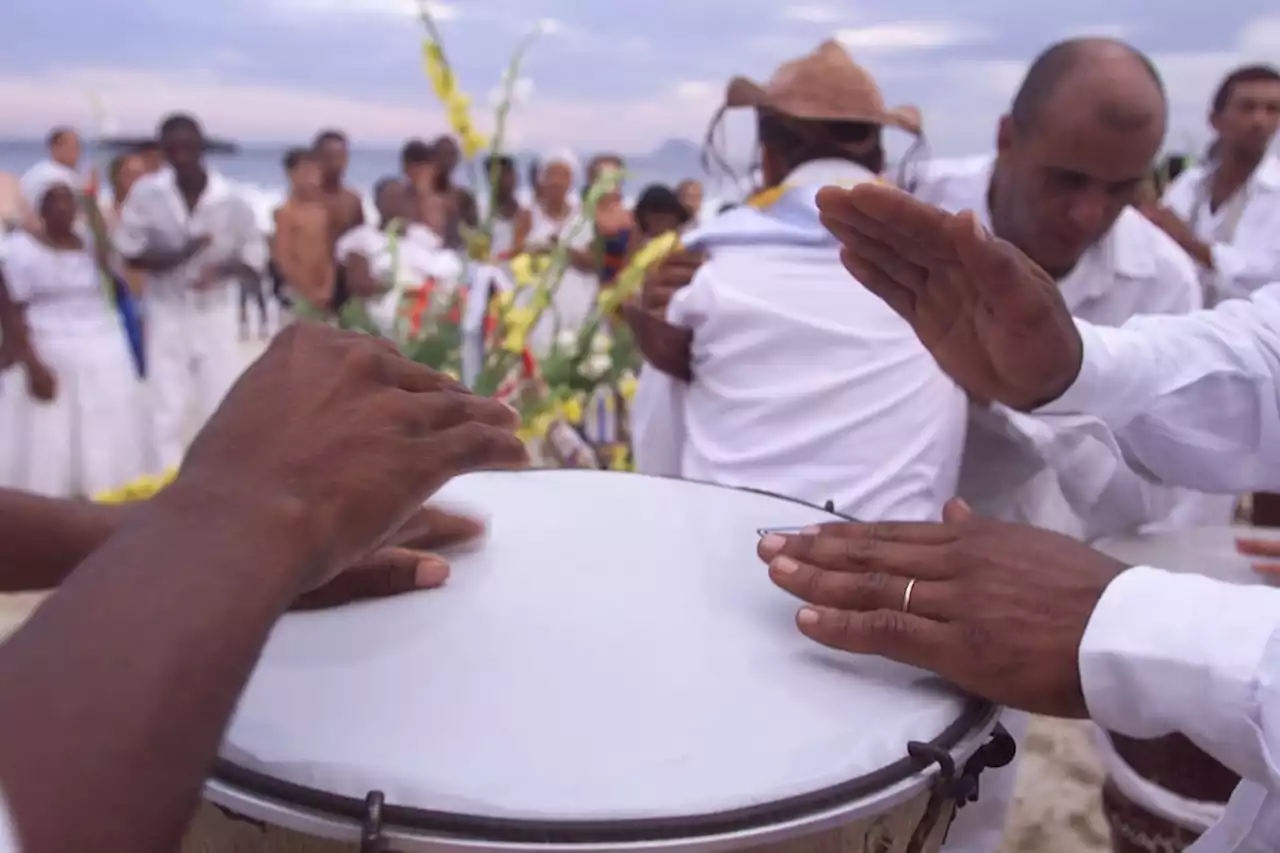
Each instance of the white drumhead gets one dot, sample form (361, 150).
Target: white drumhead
(1207, 551)
(614, 651)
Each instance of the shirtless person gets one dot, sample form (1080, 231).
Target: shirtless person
(346, 210)
(418, 164)
(460, 204)
(301, 251)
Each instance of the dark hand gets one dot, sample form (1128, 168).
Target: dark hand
(344, 438)
(997, 609)
(668, 348)
(402, 566)
(196, 245)
(42, 385)
(661, 281)
(992, 319)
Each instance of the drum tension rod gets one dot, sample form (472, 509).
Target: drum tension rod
(963, 787)
(371, 838)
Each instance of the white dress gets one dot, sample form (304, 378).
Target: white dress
(95, 434)
(576, 294)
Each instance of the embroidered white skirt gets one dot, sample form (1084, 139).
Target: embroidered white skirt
(95, 434)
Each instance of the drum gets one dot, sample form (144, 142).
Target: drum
(1167, 789)
(612, 670)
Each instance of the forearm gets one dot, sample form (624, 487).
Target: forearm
(43, 539)
(159, 637)
(1193, 400)
(1168, 653)
(13, 326)
(159, 260)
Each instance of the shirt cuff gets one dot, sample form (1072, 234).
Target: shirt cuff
(1167, 653)
(1099, 389)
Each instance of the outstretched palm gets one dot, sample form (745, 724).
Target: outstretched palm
(993, 320)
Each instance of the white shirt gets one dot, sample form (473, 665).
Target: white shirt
(1243, 233)
(156, 217)
(44, 173)
(61, 288)
(805, 385)
(1195, 401)
(419, 255)
(1051, 471)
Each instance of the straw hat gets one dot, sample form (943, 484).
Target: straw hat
(825, 85)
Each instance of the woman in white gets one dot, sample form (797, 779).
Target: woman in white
(555, 219)
(381, 262)
(73, 419)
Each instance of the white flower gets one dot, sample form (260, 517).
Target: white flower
(595, 366)
(567, 339)
(548, 27)
(601, 343)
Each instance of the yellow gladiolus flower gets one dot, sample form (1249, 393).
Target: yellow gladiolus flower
(519, 321)
(627, 386)
(522, 269)
(438, 71)
(621, 459)
(571, 410)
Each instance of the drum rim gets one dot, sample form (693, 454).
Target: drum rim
(623, 830)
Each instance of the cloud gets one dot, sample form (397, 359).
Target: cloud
(811, 13)
(961, 116)
(439, 10)
(908, 35)
(134, 101)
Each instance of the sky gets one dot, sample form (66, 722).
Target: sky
(604, 75)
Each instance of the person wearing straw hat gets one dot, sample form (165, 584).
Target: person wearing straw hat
(800, 384)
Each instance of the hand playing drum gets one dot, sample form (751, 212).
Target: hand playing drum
(998, 609)
(992, 319)
(290, 439)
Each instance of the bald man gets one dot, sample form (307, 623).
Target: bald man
(1071, 157)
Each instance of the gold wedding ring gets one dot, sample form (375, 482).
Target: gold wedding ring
(906, 596)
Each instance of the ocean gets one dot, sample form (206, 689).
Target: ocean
(259, 171)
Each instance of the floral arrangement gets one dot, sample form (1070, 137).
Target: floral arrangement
(572, 392)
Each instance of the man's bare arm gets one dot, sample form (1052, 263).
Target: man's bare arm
(43, 539)
(128, 764)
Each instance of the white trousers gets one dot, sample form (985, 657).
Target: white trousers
(979, 827)
(95, 434)
(193, 359)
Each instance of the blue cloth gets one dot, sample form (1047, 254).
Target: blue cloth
(131, 319)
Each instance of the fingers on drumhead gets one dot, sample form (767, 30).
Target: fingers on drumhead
(844, 590)
(444, 409)
(899, 636)
(475, 447)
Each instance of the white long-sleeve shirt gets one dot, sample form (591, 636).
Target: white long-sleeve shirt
(1193, 401)
(1243, 234)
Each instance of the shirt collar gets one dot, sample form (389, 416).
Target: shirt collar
(1267, 174)
(217, 189)
(823, 172)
